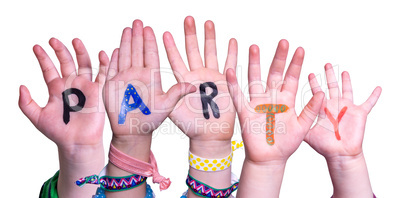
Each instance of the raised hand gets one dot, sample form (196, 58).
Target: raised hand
(135, 102)
(136, 63)
(289, 129)
(338, 135)
(188, 114)
(85, 127)
(351, 127)
(271, 129)
(79, 138)
(206, 116)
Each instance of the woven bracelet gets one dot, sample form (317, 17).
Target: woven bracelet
(113, 184)
(204, 190)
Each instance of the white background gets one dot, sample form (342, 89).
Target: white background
(363, 38)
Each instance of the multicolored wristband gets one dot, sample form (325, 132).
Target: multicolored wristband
(204, 190)
(49, 188)
(113, 184)
(100, 193)
(210, 165)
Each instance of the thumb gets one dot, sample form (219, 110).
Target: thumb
(103, 68)
(310, 111)
(239, 100)
(176, 92)
(28, 106)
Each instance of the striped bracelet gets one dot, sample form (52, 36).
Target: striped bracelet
(113, 184)
(100, 193)
(204, 190)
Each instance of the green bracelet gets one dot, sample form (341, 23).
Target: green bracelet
(49, 188)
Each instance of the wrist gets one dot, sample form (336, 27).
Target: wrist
(81, 154)
(266, 170)
(211, 148)
(345, 163)
(258, 178)
(273, 165)
(349, 176)
(76, 162)
(136, 146)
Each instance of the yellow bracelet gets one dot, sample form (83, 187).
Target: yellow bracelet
(208, 165)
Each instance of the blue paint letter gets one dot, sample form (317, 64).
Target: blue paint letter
(126, 107)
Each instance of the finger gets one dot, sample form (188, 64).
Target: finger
(210, 54)
(67, 66)
(152, 57)
(315, 87)
(310, 111)
(124, 61)
(137, 44)
(176, 92)
(151, 49)
(113, 68)
(28, 106)
(83, 60)
(372, 100)
(175, 60)
(49, 71)
(292, 75)
(193, 53)
(347, 92)
(332, 82)
(231, 59)
(239, 100)
(278, 65)
(254, 73)
(103, 68)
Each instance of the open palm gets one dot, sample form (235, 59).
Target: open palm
(322, 136)
(136, 62)
(188, 113)
(85, 127)
(290, 129)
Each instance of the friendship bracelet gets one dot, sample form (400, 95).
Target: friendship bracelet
(113, 184)
(204, 190)
(100, 193)
(209, 165)
(132, 165)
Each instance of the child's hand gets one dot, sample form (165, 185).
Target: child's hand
(135, 102)
(136, 63)
(338, 135)
(77, 132)
(289, 129)
(348, 139)
(206, 116)
(188, 115)
(85, 127)
(271, 129)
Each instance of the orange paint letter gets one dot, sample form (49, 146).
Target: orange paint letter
(270, 110)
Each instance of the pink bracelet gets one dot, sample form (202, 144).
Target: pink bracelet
(138, 167)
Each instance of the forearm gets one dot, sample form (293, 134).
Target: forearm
(138, 147)
(349, 177)
(75, 163)
(211, 150)
(263, 179)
